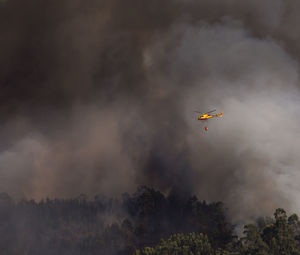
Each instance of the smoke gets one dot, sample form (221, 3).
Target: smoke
(98, 97)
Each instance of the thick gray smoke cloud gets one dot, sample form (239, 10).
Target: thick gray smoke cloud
(250, 158)
(98, 97)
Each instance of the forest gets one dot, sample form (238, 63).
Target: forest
(146, 222)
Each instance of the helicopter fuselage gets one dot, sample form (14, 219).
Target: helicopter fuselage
(208, 116)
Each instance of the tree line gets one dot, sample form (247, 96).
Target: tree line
(146, 222)
(277, 236)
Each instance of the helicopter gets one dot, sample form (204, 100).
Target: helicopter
(207, 115)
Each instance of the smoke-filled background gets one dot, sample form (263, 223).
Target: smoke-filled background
(97, 97)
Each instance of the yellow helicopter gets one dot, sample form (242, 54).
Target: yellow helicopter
(207, 115)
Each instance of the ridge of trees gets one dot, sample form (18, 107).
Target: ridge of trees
(146, 222)
(278, 236)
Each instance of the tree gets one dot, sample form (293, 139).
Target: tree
(180, 244)
(253, 243)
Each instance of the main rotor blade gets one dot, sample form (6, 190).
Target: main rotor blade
(197, 111)
(210, 111)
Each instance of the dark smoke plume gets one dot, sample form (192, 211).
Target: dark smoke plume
(98, 97)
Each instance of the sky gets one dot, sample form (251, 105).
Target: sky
(98, 97)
